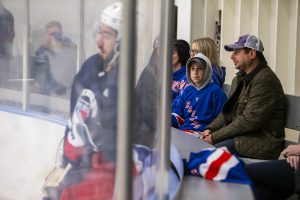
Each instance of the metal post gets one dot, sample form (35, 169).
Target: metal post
(125, 103)
(81, 36)
(166, 38)
(26, 35)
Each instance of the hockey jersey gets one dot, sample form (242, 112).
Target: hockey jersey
(93, 113)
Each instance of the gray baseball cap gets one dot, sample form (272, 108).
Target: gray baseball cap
(249, 41)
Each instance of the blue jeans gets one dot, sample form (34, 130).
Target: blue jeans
(229, 143)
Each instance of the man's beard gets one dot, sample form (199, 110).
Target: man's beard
(110, 62)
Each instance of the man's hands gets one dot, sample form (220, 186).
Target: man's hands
(293, 161)
(292, 153)
(206, 136)
(292, 150)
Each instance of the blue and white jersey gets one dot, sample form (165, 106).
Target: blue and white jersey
(179, 83)
(198, 106)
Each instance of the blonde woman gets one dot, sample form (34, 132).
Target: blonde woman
(208, 47)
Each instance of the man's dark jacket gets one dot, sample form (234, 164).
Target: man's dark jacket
(254, 115)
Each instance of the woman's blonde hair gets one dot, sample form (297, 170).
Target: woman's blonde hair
(208, 47)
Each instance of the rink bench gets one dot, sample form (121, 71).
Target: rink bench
(293, 113)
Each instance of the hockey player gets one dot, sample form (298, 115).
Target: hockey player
(93, 109)
(88, 168)
(90, 137)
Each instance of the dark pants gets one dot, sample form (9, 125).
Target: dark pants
(272, 179)
(229, 143)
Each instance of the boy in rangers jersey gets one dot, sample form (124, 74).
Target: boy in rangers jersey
(202, 101)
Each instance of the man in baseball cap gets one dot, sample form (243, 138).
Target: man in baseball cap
(252, 120)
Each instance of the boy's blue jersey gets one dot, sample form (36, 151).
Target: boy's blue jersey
(180, 81)
(195, 108)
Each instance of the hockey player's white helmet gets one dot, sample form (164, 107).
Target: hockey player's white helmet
(112, 17)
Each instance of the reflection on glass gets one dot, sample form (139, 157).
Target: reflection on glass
(55, 56)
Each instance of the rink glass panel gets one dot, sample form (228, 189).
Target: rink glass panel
(20, 89)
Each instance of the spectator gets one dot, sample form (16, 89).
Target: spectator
(180, 56)
(200, 102)
(7, 34)
(209, 48)
(252, 120)
(146, 91)
(54, 63)
(146, 118)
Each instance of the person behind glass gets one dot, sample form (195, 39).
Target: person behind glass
(146, 98)
(7, 34)
(90, 136)
(208, 47)
(180, 55)
(277, 179)
(94, 89)
(201, 101)
(55, 57)
(252, 120)
(145, 127)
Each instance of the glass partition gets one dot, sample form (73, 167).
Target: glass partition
(147, 91)
(69, 72)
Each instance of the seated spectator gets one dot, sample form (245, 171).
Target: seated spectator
(54, 63)
(277, 179)
(208, 47)
(253, 119)
(201, 101)
(146, 97)
(180, 56)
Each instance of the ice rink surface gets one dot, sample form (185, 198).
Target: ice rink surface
(28, 153)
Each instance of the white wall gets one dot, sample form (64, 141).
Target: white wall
(276, 22)
(184, 19)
